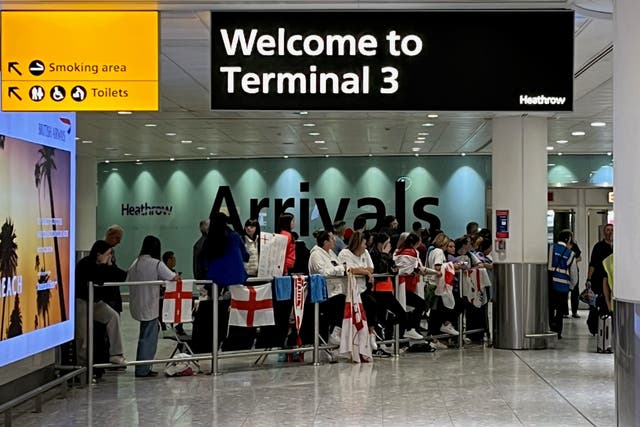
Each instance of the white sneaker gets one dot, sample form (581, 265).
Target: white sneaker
(412, 334)
(449, 329)
(334, 338)
(374, 343)
(117, 360)
(466, 340)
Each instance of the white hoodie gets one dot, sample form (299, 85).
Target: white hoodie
(320, 262)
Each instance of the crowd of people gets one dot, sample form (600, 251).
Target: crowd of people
(229, 258)
(420, 259)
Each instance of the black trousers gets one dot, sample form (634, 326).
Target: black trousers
(419, 307)
(388, 303)
(558, 304)
(331, 314)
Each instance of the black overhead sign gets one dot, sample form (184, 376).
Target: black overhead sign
(388, 60)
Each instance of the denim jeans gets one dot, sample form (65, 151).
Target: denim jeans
(147, 344)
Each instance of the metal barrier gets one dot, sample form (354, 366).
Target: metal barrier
(216, 354)
(37, 393)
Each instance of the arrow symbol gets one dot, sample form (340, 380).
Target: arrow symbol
(13, 91)
(13, 66)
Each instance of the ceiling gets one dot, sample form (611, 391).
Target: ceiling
(184, 90)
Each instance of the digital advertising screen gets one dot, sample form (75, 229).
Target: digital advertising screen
(37, 236)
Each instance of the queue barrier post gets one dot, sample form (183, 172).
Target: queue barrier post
(396, 327)
(214, 343)
(89, 337)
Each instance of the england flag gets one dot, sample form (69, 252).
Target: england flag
(251, 306)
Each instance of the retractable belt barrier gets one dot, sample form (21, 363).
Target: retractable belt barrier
(216, 355)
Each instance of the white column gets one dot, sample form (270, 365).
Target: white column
(626, 242)
(86, 201)
(626, 149)
(519, 185)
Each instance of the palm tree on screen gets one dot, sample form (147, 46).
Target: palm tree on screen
(8, 260)
(45, 166)
(15, 323)
(43, 297)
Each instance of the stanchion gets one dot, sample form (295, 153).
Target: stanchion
(396, 327)
(89, 337)
(461, 315)
(316, 334)
(214, 344)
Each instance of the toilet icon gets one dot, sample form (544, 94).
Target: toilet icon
(58, 93)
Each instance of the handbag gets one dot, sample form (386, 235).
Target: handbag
(588, 297)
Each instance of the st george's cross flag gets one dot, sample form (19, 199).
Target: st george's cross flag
(354, 339)
(178, 301)
(251, 306)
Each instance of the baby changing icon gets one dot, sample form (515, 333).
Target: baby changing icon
(58, 93)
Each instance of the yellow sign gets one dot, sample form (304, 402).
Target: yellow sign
(79, 61)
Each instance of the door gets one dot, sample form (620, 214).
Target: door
(558, 220)
(597, 218)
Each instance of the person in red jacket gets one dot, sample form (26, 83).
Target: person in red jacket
(286, 224)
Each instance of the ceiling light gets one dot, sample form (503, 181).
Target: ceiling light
(608, 153)
(418, 142)
(212, 154)
(463, 154)
(170, 134)
(171, 159)
(326, 155)
(111, 149)
(314, 133)
(559, 154)
(550, 164)
(417, 155)
(201, 148)
(370, 155)
(186, 141)
(127, 154)
(87, 142)
(138, 162)
(320, 141)
(77, 138)
(309, 125)
(578, 133)
(150, 125)
(421, 138)
(303, 113)
(423, 133)
(324, 148)
(208, 158)
(598, 124)
(286, 157)
(106, 161)
(114, 169)
(549, 148)
(124, 113)
(428, 125)
(432, 116)
(561, 141)
(415, 149)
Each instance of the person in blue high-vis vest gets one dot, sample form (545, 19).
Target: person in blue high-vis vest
(563, 276)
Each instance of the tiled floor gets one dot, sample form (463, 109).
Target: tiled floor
(570, 385)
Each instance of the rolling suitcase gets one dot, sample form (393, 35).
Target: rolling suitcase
(604, 335)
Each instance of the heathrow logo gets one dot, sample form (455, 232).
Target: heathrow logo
(542, 100)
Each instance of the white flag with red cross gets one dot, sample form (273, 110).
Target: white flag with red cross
(178, 301)
(251, 306)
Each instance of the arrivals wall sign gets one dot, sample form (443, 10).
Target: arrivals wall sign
(392, 60)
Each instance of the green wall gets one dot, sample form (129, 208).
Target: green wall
(189, 188)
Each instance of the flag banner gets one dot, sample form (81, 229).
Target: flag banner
(354, 340)
(273, 248)
(251, 306)
(444, 286)
(474, 281)
(299, 296)
(177, 304)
